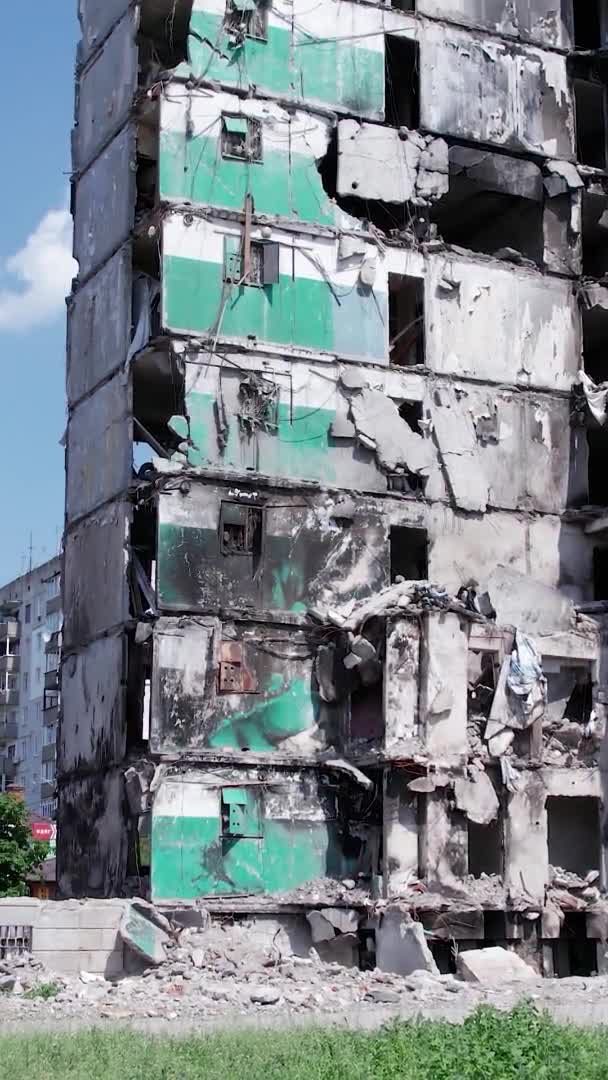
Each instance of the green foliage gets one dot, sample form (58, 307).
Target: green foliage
(20, 854)
(521, 1045)
(42, 992)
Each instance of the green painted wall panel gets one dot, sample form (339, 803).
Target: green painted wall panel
(194, 170)
(291, 312)
(264, 63)
(303, 312)
(287, 710)
(341, 74)
(300, 448)
(190, 858)
(335, 72)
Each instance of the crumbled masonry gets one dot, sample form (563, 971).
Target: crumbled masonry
(336, 545)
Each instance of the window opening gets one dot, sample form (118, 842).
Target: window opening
(574, 833)
(405, 320)
(246, 18)
(408, 553)
(402, 82)
(573, 952)
(241, 529)
(587, 24)
(485, 848)
(263, 262)
(590, 112)
(241, 138)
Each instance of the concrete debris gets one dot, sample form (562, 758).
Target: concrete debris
(377, 421)
(493, 965)
(138, 779)
(144, 937)
(456, 439)
(522, 601)
(526, 682)
(401, 945)
(596, 395)
(477, 798)
(497, 172)
(568, 171)
(419, 164)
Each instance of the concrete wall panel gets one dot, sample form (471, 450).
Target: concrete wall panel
(547, 22)
(104, 203)
(105, 91)
(99, 326)
(496, 93)
(96, 19)
(99, 448)
(91, 821)
(93, 727)
(95, 593)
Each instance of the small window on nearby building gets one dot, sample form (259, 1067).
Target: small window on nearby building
(405, 320)
(247, 18)
(26, 680)
(48, 771)
(241, 138)
(28, 613)
(241, 529)
(263, 262)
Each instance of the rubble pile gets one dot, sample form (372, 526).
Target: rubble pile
(209, 979)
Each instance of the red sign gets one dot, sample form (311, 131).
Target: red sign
(44, 830)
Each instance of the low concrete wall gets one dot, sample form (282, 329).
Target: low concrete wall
(69, 936)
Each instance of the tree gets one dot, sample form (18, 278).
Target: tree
(20, 854)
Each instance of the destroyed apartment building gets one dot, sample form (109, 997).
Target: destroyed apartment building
(336, 546)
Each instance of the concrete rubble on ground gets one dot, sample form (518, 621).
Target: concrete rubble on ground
(214, 973)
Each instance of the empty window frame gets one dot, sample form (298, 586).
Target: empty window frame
(485, 848)
(573, 952)
(408, 553)
(597, 442)
(600, 573)
(241, 529)
(589, 23)
(590, 110)
(405, 320)
(263, 262)
(402, 82)
(573, 825)
(247, 18)
(241, 138)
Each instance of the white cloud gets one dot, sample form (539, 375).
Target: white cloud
(43, 269)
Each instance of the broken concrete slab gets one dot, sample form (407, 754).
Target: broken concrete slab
(320, 928)
(477, 798)
(418, 165)
(456, 440)
(143, 936)
(378, 423)
(494, 965)
(519, 600)
(401, 945)
(497, 172)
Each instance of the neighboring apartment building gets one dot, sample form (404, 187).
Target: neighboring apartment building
(340, 265)
(30, 643)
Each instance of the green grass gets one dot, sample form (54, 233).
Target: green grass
(44, 991)
(522, 1045)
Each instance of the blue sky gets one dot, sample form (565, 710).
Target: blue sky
(34, 267)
